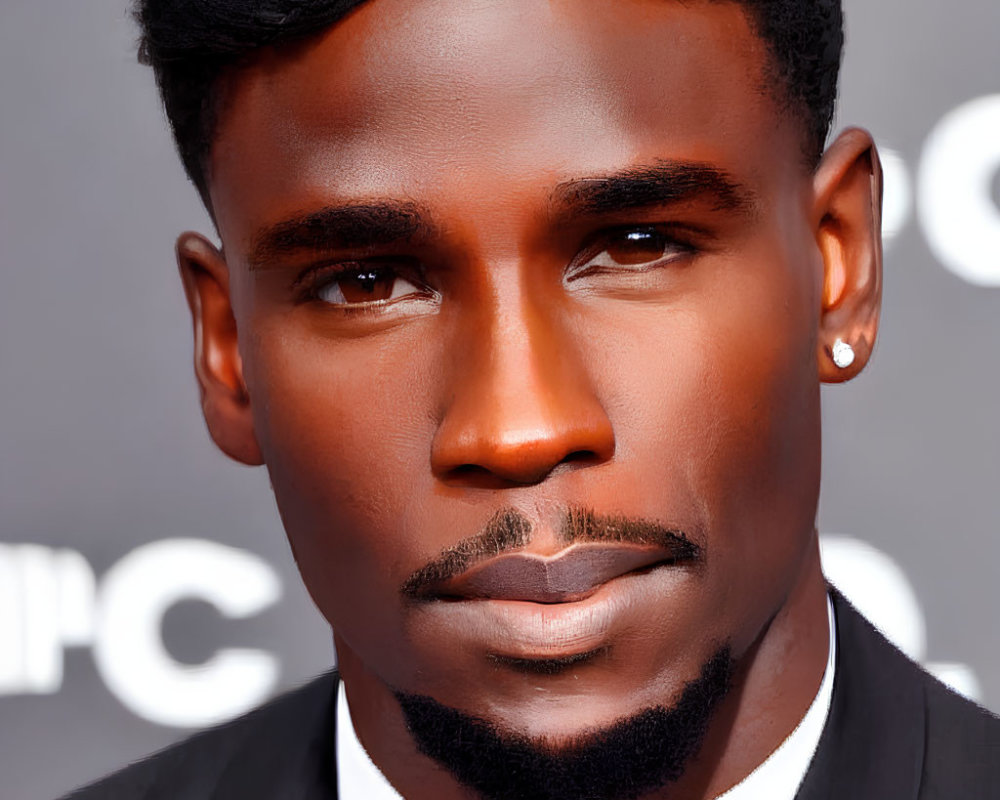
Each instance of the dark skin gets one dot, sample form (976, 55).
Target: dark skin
(586, 266)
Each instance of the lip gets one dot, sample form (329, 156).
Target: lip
(570, 575)
(527, 630)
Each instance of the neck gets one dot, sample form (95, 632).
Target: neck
(776, 681)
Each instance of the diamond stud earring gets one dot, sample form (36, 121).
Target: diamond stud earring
(843, 354)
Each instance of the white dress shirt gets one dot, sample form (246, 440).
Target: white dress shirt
(777, 778)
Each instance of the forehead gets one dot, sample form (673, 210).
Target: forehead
(427, 98)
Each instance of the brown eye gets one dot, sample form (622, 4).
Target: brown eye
(629, 250)
(637, 247)
(365, 284)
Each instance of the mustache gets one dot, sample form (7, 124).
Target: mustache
(509, 530)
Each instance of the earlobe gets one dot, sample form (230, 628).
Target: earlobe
(848, 218)
(218, 366)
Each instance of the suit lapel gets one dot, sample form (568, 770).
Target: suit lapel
(872, 747)
(293, 757)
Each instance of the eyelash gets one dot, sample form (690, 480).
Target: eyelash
(681, 239)
(314, 279)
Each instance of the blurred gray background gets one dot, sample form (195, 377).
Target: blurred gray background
(145, 584)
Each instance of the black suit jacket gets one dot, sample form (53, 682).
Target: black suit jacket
(894, 733)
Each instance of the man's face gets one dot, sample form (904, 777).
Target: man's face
(558, 261)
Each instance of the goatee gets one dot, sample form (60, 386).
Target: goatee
(632, 757)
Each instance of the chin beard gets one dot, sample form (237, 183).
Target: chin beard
(631, 757)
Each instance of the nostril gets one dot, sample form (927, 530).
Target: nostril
(469, 470)
(518, 468)
(576, 459)
(492, 452)
(475, 476)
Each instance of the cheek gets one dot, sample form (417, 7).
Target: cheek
(344, 437)
(716, 406)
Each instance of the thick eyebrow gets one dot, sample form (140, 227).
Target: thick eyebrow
(660, 184)
(355, 226)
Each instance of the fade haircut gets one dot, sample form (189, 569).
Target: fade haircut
(191, 44)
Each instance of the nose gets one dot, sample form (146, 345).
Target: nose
(521, 405)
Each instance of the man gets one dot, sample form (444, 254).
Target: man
(525, 306)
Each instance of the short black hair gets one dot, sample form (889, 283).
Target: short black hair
(191, 43)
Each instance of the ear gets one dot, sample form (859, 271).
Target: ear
(847, 192)
(217, 362)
